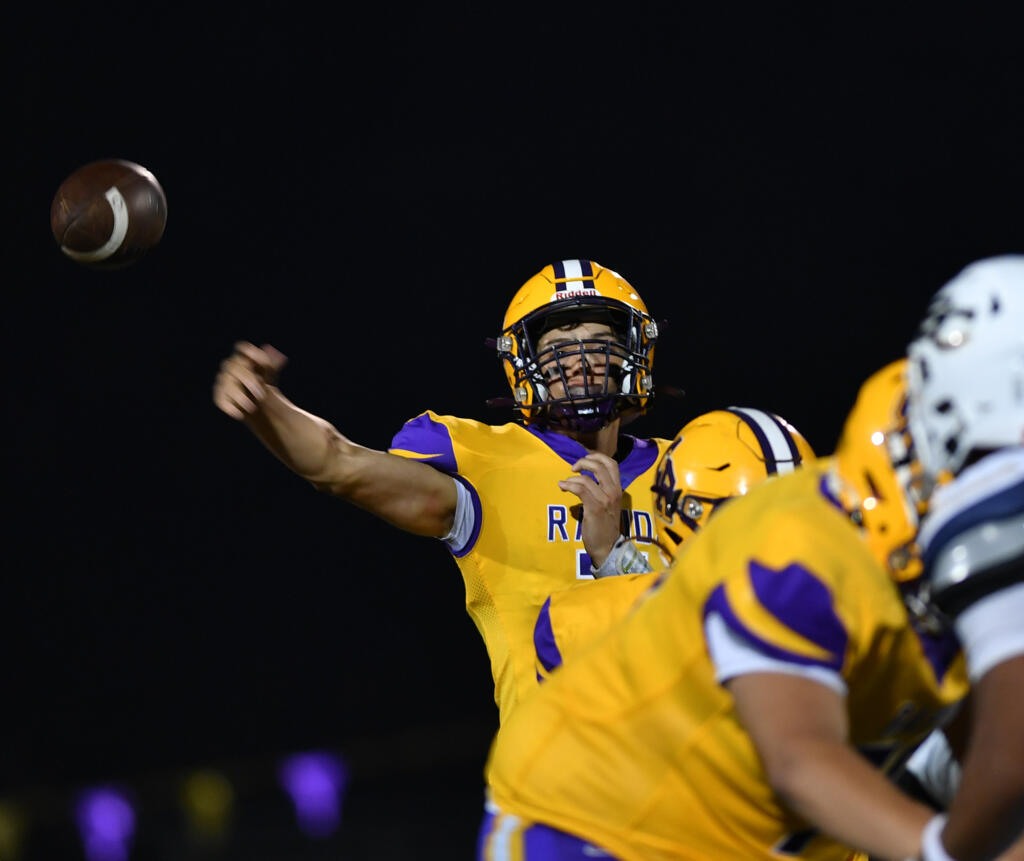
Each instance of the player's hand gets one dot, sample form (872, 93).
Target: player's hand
(244, 377)
(602, 503)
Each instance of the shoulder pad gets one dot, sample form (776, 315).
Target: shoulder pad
(976, 562)
(989, 490)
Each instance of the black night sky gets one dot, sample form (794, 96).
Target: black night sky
(366, 191)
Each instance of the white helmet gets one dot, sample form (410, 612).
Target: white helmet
(966, 373)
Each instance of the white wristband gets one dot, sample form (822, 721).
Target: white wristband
(624, 559)
(931, 840)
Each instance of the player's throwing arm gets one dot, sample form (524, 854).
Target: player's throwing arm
(409, 495)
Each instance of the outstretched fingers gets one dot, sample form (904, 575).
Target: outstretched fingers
(240, 386)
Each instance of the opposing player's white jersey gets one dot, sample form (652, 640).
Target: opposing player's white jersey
(973, 547)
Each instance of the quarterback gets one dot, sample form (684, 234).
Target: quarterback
(577, 346)
(752, 705)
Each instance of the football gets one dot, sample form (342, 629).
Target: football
(109, 213)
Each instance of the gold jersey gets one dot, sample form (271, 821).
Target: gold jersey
(525, 542)
(571, 619)
(634, 745)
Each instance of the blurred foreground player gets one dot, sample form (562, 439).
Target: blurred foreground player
(714, 458)
(749, 707)
(577, 345)
(966, 413)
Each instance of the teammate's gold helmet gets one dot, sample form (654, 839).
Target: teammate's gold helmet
(577, 291)
(876, 470)
(715, 457)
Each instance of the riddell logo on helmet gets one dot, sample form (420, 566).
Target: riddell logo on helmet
(566, 294)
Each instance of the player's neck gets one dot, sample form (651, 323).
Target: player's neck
(605, 440)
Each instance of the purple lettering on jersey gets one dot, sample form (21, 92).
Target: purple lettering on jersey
(643, 526)
(804, 607)
(425, 436)
(544, 640)
(557, 518)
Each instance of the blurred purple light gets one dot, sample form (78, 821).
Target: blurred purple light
(316, 783)
(106, 823)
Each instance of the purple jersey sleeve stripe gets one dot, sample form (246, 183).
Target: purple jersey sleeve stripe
(427, 437)
(544, 640)
(802, 603)
(641, 458)
(718, 603)
(478, 517)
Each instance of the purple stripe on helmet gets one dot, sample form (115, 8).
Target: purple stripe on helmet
(588, 274)
(794, 452)
(559, 268)
(762, 440)
(478, 518)
(425, 436)
(544, 639)
(719, 603)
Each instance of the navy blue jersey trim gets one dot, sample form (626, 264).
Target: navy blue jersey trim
(1005, 503)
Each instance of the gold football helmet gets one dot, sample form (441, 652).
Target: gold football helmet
(570, 292)
(876, 472)
(715, 457)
